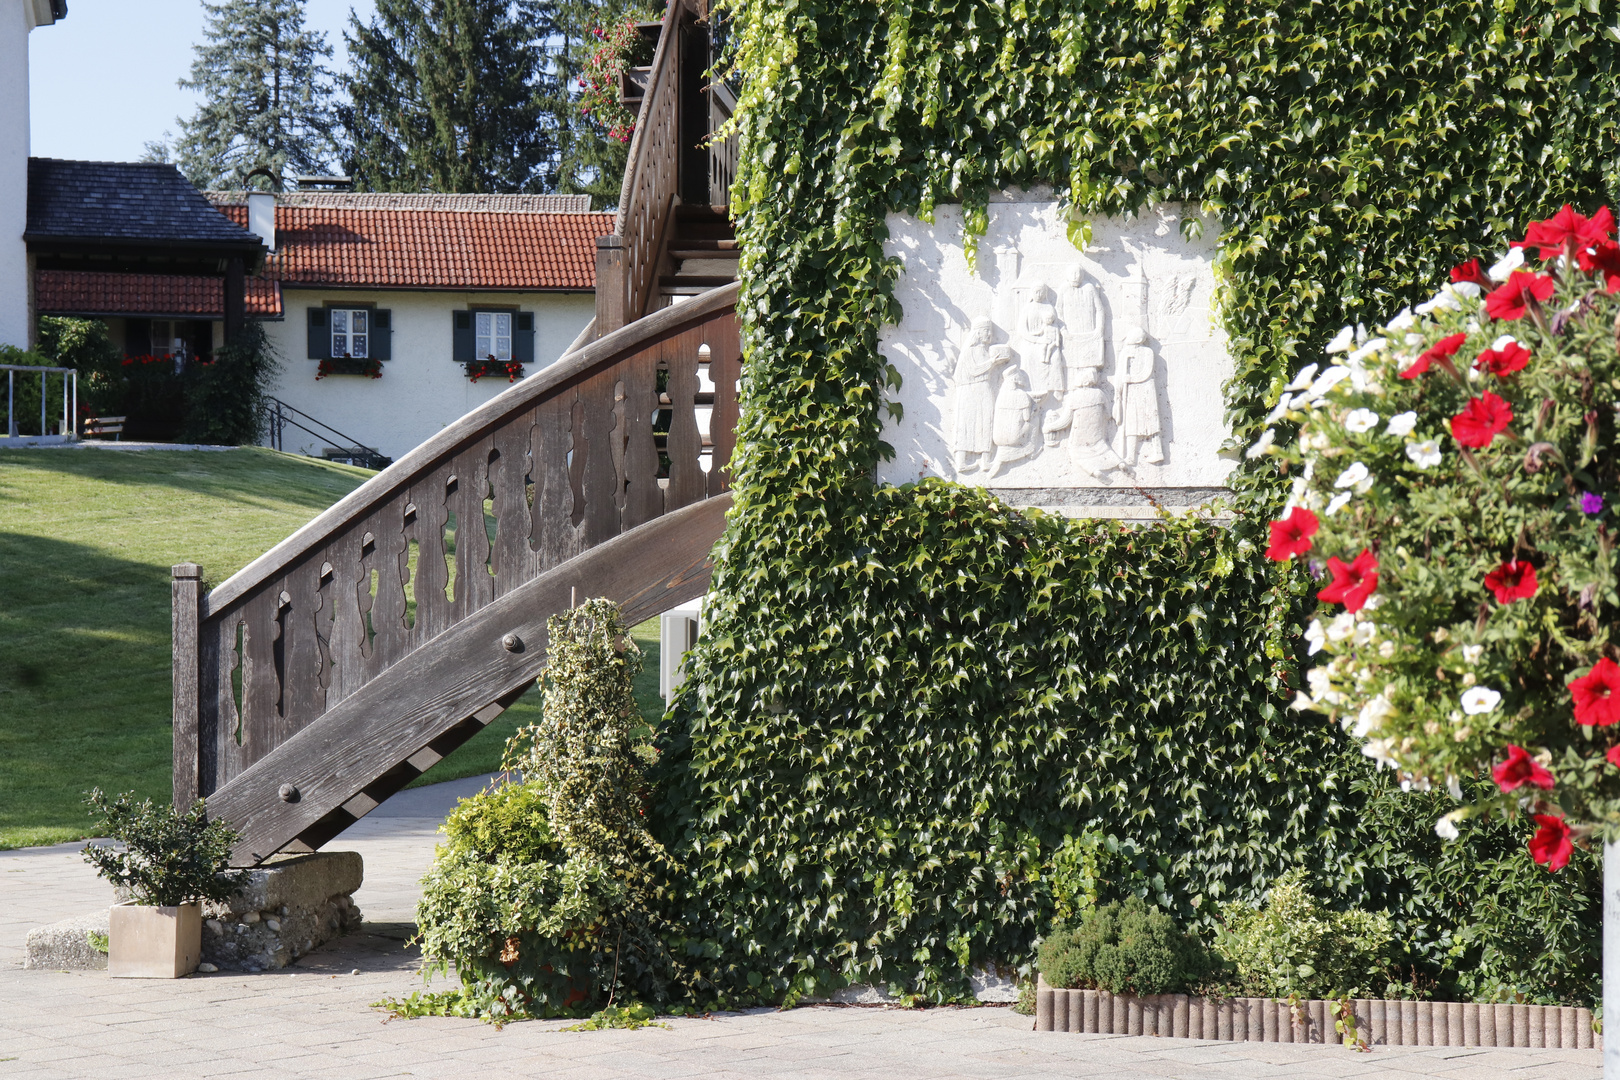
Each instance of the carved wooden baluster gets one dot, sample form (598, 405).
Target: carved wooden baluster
(556, 540)
(474, 586)
(389, 556)
(514, 562)
(687, 484)
(725, 368)
(431, 497)
(643, 498)
(306, 627)
(346, 643)
(218, 662)
(261, 678)
(598, 481)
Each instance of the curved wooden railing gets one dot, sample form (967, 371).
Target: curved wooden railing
(333, 669)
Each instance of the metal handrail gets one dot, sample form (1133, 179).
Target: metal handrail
(278, 420)
(70, 401)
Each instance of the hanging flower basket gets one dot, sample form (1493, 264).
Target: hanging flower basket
(348, 365)
(478, 369)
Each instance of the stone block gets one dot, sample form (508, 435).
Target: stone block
(289, 906)
(65, 946)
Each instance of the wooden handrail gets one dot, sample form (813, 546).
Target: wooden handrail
(571, 369)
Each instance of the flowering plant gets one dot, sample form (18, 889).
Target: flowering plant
(599, 83)
(370, 367)
(478, 369)
(1453, 481)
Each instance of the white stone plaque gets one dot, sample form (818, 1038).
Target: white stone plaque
(1085, 382)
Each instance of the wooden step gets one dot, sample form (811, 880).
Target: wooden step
(695, 282)
(704, 249)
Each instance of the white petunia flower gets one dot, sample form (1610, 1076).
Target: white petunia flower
(1321, 685)
(1326, 381)
(1377, 344)
(1303, 379)
(1471, 653)
(1386, 649)
(1302, 701)
(1446, 828)
(1279, 410)
(1468, 289)
(1425, 454)
(1360, 420)
(1315, 637)
(1401, 424)
(1261, 445)
(1381, 751)
(1445, 299)
(1480, 699)
(1366, 632)
(1503, 342)
(1343, 340)
(1413, 339)
(1371, 717)
(1338, 502)
(1404, 321)
(1507, 264)
(1342, 627)
(1355, 474)
(1454, 787)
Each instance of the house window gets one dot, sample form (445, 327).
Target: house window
(493, 335)
(351, 332)
(167, 338)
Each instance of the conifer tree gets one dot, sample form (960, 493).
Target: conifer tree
(446, 95)
(266, 96)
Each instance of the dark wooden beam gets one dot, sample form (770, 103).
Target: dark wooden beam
(186, 601)
(470, 667)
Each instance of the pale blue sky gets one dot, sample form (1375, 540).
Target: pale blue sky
(102, 81)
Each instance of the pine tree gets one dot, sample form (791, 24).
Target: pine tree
(446, 95)
(266, 95)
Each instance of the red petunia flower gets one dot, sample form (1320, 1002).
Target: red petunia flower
(1292, 535)
(1604, 260)
(1596, 700)
(1513, 580)
(1510, 301)
(1441, 352)
(1613, 756)
(1551, 845)
(1470, 271)
(1520, 769)
(1550, 236)
(1352, 583)
(1480, 420)
(1504, 361)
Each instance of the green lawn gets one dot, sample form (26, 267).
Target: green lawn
(86, 542)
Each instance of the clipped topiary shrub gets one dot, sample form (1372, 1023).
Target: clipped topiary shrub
(1295, 945)
(1127, 948)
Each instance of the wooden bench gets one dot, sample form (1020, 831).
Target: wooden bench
(99, 426)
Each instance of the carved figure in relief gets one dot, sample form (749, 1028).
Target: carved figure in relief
(1015, 419)
(1090, 410)
(1042, 344)
(1081, 309)
(971, 371)
(1138, 417)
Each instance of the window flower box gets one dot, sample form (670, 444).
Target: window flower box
(369, 366)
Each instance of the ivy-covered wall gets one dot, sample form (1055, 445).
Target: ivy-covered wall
(908, 698)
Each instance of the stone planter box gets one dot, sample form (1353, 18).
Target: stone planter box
(153, 942)
(1378, 1022)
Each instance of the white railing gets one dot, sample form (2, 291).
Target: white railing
(65, 430)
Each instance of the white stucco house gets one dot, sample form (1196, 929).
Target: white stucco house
(378, 303)
(17, 19)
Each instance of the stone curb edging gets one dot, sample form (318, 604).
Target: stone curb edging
(1378, 1022)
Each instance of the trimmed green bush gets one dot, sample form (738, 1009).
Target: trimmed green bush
(1127, 948)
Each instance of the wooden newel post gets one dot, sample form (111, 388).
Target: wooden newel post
(187, 598)
(611, 299)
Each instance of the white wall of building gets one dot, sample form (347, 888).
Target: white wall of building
(422, 389)
(16, 19)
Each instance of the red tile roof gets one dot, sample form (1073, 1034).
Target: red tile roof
(353, 245)
(83, 292)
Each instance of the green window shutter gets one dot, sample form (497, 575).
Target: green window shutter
(461, 349)
(523, 338)
(320, 335)
(382, 334)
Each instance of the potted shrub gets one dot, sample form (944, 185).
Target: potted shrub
(166, 861)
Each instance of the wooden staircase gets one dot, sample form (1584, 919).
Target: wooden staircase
(337, 667)
(702, 251)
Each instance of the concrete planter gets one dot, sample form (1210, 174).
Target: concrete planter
(1378, 1022)
(153, 942)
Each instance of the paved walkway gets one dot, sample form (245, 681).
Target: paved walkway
(318, 1023)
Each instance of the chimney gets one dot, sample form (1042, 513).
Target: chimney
(262, 217)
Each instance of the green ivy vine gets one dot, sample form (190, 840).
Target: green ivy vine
(909, 699)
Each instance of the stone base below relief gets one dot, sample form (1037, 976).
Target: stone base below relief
(1125, 503)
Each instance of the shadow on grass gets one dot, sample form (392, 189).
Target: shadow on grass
(84, 684)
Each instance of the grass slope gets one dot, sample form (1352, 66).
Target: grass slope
(86, 542)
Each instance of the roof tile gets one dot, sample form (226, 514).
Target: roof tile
(79, 292)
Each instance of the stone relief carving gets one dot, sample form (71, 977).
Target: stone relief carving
(1053, 367)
